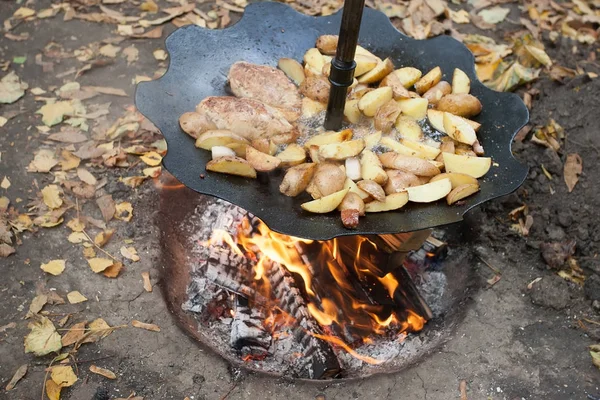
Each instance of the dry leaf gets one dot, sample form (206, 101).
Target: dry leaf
(147, 283)
(109, 50)
(51, 195)
(160, 54)
(89, 252)
(595, 353)
(124, 211)
(86, 176)
(11, 88)
(107, 206)
(107, 90)
(103, 237)
(54, 113)
(151, 34)
(63, 375)
(52, 390)
(97, 329)
(494, 15)
(99, 264)
(133, 181)
(102, 371)
(43, 161)
(6, 250)
(152, 158)
(573, 168)
(5, 184)
(459, 17)
(36, 305)
(54, 267)
(152, 172)
(131, 54)
(143, 325)
(130, 253)
(74, 334)
(75, 297)
(149, 5)
(68, 161)
(510, 78)
(19, 374)
(76, 225)
(23, 12)
(114, 270)
(69, 135)
(43, 338)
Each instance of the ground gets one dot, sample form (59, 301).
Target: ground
(514, 343)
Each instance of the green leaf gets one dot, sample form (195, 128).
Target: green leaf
(43, 338)
(19, 59)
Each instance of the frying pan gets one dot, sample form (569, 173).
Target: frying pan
(199, 62)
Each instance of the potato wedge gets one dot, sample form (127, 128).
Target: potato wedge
(292, 155)
(398, 89)
(474, 166)
(292, 69)
(372, 140)
(264, 145)
(194, 124)
(414, 165)
(327, 44)
(428, 80)
(364, 52)
(371, 167)
(352, 187)
(378, 73)
(316, 88)
(458, 129)
(461, 192)
(311, 107)
(351, 111)
(364, 64)
(409, 128)
(296, 179)
(372, 188)
(460, 82)
(341, 151)
(313, 152)
(325, 204)
(329, 137)
(398, 181)
(436, 120)
(218, 138)
(456, 179)
(329, 178)
(386, 116)
(434, 94)
(359, 91)
(429, 192)
(461, 104)
(416, 108)
(232, 166)
(370, 102)
(447, 146)
(239, 148)
(425, 151)
(398, 147)
(260, 161)
(408, 76)
(313, 59)
(392, 201)
(352, 201)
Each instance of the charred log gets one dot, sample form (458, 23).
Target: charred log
(248, 334)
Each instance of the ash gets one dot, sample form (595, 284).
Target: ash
(432, 286)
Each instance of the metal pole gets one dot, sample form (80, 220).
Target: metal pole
(343, 65)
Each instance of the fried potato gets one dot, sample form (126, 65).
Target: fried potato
(364, 64)
(261, 161)
(371, 168)
(447, 145)
(398, 181)
(329, 137)
(327, 44)
(311, 107)
(458, 129)
(296, 179)
(352, 187)
(416, 108)
(409, 128)
(378, 73)
(461, 192)
(429, 80)
(398, 147)
(436, 120)
(352, 201)
(372, 140)
(351, 111)
(460, 82)
(293, 70)
(398, 89)
(325, 204)
(461, 104)
(456, 179)
(313, 152)
(218, 138)
(195, 124)
(424, 151)
(341, 151)
(313, 62)
(329, 178)
(434, 94)
(370, 102)
(353, 168)
(386, 116)
(232, 166)
(239, 148)
(364, 52)
(264, 145)
(316, 88)
(393, 201)
(414, 165)
(429, 192)
(292, 155)
(372, 188)
(474, 166)
(313, 190)
(408, 76)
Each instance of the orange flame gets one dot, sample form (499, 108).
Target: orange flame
(337, 341)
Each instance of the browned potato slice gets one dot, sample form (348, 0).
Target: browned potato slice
(232, 166)
(327, 44)
(377, 73)
(341, 151)
(313, 61)
(292, 155)
(456, 179)
(474, 166)
(313, 190)
(462, 191)
(386, 116)
(264, 145)
(398, 181)
(364, 52)
(313, 152)
(429, 192)
(364, 64)
(436, 119)
(424, 150)
(372, 188)
(393, 201)
(351, 186)
(460, 82)
(296, 179)
(329, 178)
(414, 165)
(434, 94)
(316, 88)
(352, 201)
(371, 168)
(352, 112)
(399, 148)
(447, 146)
(218, 138)
(398, 89)
(261, 161)
(461, 104)
(372, 140)
(195, 124)
(429, 80)
(329, 137)
(416, 108)
(370, 102)
(311, 107)
(408, 76)
(293, 69)
(409, 128)
(459, 129)
(325, 204)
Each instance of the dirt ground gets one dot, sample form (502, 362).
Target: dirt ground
(514, 343)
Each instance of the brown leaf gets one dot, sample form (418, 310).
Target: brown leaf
(107, 90)
(36, 305)
(151, 34)
(107, 206)
(130, 253)
(86, 176)
(114, 270)
(68, 135)
(19, 374)
(143, 325)
(68, 161)
(43, 161)
(74, 334)
(573, 168)
(103, 371)
(124, 211)
(98, 329)
(103, 237)
(6, 250)
(147, 283)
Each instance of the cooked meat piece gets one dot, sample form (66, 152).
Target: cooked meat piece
(195, 124)
(316, 88)
(246, 117)
(267, 84)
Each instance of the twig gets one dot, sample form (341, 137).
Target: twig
(463, 390)
(591, 321)
(229, 392)
(490, 266)
(98, 247)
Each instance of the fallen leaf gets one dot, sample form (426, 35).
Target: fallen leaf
(595, 353)
(147, 283)
(43, 338)
(63, 375)
(11, 88)
(124, 211)
(89, 252)
(160, 54)
(75, 297)
(107, 206)
(131, 54)
(510, 78)
(99, 264)
(130, 253)
(74, 334)
(19, 60)
(19, 374)
(4, 328)
(5, 184)
(107, 90)
(52, 390)
(152, 172)
(68, 161)
(51, 195)
(3, 121)
(102, 371)
(114, 270)
(48, 220)
(151, 34)
(77, 237)
(143, 325)
(86, 176)
(54, 113)
(573, 168)
(109, 50)
(97, 329)
(69, 135)
(6, 250)
(54, 267)
(76, 225)
(103, 237)
(133, 181)
(149, 5)
(459, 17)
(23, 12)
(494, 15)
(152, 158)
(37, 304)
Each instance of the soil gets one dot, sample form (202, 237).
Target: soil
(514, 342)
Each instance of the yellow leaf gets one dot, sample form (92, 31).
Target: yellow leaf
(152, 158)
(63, 375)
(68, 161)
(133, 181)
(43, 161)
(97, 329)
(124, 211)
(130, 253)
(54, 113)
(103, 371)
(86, 176)
(54, 267)
(51, 194)
(4, 202)
(89, 252)
(5, 184)
(160, 54)
(460, 16)
(77, 237)
(52, 390)
(76, 225)
(99, 264)
(48, 221)
(149, 5)
(109, 50)
(143, 325)
(113, 271)
(152, 172)
(43, 338)
(22, 223)
(75, 297)
(23, 12)
(103, 237)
